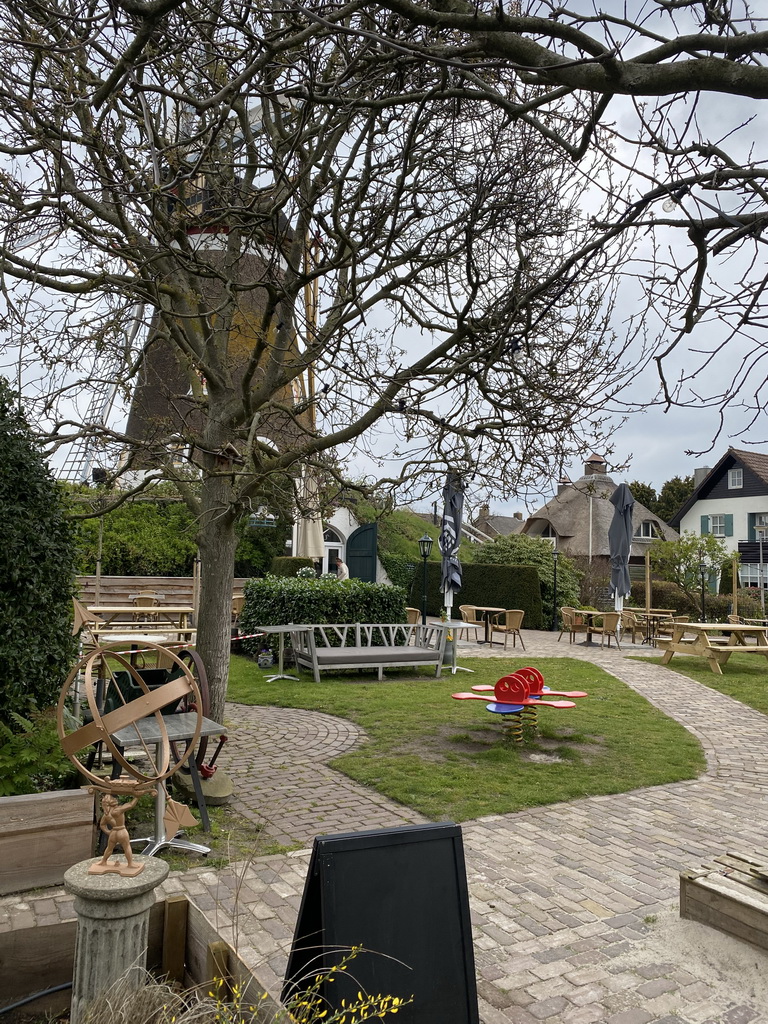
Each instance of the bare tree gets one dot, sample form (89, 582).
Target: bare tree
(675, 86)
(284, 239)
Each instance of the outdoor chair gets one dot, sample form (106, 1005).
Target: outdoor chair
(667, 626)
(571, 623)
(413, 616)
(737, 620)
(469, 616)
(631, 626)
(238, 600)
(609, 628)
(146, 599)
(509, 623)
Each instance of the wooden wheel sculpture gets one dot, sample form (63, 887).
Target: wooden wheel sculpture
(97, 701)
(201, 703)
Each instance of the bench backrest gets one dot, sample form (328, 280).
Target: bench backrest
(307, 639)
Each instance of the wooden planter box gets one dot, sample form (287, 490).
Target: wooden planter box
(43, 834)
(182, 946)
(730, 895)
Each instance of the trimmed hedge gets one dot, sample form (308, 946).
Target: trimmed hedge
(277, 601)
(501, 586)
(289, 565)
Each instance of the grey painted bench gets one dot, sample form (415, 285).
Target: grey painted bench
(376, 645)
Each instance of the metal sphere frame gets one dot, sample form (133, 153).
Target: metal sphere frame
(103, 725)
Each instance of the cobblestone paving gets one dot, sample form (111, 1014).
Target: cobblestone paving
(574, 906)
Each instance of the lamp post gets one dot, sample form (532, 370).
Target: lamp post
(703, 573)
(555, 556)
(425, 547)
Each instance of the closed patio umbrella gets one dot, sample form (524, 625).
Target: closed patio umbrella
(620, 544)
(450, 536)
(310, 542)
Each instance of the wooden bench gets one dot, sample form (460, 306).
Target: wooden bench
(329, 648)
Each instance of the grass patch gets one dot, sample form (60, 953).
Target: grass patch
(449, 759)
(744, 677)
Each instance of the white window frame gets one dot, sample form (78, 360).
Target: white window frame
(735, 479)
(717, 525)
(646, 530)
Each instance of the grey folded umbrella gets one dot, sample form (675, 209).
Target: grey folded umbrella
(450, 537)
(620, 544)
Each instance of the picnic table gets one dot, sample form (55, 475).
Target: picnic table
(708, 642)
(169, 618)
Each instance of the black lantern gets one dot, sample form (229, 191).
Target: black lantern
(555, 556)
(425, 547)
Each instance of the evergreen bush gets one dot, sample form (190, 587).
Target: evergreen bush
(37, 567)
(277, 601)
(401, 570)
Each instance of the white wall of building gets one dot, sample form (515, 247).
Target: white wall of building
(739, 508)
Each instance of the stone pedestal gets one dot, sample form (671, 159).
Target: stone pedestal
(112, 927)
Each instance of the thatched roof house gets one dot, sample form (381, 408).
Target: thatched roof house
(578, 517)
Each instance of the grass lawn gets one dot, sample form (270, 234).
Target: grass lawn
(744, 677)
(449, 759)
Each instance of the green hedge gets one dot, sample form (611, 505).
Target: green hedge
(276, 601)
(500, 586)
(289, 565)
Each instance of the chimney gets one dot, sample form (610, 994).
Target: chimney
(562, 483)
(700, 474)
(595, 465)
(518, 515)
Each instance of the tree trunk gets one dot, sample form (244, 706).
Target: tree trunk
(217, 540)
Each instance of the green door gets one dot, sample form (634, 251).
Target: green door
(361, 552)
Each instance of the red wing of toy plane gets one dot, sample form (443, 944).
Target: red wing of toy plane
(487, 688)
(525, 701)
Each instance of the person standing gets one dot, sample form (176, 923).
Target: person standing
(342, 572)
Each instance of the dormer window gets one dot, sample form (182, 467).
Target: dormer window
(735, 479)
(646, 529)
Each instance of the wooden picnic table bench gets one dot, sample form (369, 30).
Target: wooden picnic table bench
(717, 650)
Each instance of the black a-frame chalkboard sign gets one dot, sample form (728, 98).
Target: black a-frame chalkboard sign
(401, 894)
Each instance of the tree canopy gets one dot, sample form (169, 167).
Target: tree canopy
(673, 495)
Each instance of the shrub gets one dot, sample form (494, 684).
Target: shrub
(289, 565)
(501, 586)
(520, 549)
(141, 538)
(277, 601)
(401, 570)
(31, 758)
(37, 567)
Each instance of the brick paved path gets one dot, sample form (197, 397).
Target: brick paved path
(574, 905)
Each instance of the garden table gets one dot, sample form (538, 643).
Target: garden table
(487, 615)
(705, 644)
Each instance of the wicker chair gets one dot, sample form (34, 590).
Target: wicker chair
(413, 616)
(509, 623)
(609, 628)
(571, 624)
(468, 616)
(631, 626)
